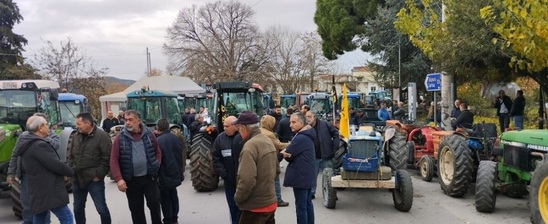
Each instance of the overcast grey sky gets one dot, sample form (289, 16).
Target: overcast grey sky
(115, 33)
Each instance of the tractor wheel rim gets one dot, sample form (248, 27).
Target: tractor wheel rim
(447, 167)
(423, 168)
(543, 198)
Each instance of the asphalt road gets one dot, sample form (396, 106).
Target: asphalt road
(430, 205)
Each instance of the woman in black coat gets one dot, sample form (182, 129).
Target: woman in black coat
(45, 174)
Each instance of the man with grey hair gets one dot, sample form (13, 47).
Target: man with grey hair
(258, 167)
(15, 169)
(196, 125)
(45, 173)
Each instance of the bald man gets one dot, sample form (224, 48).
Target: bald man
(110, 122)
(228, 146)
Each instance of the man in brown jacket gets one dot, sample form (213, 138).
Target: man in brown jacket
(267, 126)
(257, 170)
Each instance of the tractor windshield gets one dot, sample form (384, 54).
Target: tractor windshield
(320, 106)
(18, 105)
(236, 103)
(287, 101)
(69, 110)
(354, 102)
(154, 108)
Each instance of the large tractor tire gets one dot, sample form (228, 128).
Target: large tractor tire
(397, 150)
(337, 160)
(16, 204)
(403, 194)
(203, 175)
(538, 195)
(486, 196)
(329, 192)
(426, 167)
(455, 165)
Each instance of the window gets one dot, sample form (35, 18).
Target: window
(373, 88)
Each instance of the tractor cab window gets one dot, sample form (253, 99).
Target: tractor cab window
(172, 111)
(236, 103)
(287, 102)
(48, 107)
(148, 106)
(16, 106)
(69, 110)
(319, 106)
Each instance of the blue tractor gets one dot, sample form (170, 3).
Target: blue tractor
(70, 105)
(364, 162)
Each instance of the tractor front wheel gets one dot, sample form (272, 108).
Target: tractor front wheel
(203, 175)
(426, 167)
(337, 160)
(329, 193)
(538, 196)
(455, 165)
(403, 194)
(486, 197)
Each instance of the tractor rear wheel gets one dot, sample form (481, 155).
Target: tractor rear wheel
(486, 197)
(397, 150)
(403, 193)
(426, 167)
(329, 192)
(16, 204)
(203, 175)
(337, 160)
(455, 165)
(538, 196)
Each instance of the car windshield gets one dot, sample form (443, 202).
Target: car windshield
(69, 110)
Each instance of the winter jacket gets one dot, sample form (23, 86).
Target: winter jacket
(258, 167)
(518, 106)
(123, 147)
(455, 112)
(89, 155)
(226, 154)
(278, 118)
(15, 167)
(465, 120)
(171, 170)
(109, 123)
(284, 131)
(301, 171)
(506, 101)
(328, 137)
(45, 174)
(267, 126)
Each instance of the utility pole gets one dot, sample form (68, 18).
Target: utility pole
(149, 65)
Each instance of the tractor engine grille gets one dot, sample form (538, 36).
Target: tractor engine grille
(517, 157)
(363, 148)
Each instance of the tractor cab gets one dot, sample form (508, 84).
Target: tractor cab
(232, 98)
(155, 104)
(320, 104)
(70, 105)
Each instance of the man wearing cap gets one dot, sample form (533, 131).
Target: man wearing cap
(258, 167)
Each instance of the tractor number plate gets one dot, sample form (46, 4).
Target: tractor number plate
(9, 85)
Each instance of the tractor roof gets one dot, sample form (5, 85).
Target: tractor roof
(71, 97)
(31, 84)
(151, 93)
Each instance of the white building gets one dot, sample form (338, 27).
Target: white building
(362, 79)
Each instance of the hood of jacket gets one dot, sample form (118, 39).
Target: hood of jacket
(268, 122)
(24, 139)
(308, 131)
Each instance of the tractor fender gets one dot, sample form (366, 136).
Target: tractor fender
(389, 133)
(64, 137)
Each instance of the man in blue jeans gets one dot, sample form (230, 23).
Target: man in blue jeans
(517, 111)
(326, 142)
(89, 156)
(15, 169)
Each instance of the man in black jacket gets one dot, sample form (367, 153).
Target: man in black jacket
(465, 119)
(228, 146)
(171, 171)
(517, 110)
(503, 103)
(325, 144)
(284, 131)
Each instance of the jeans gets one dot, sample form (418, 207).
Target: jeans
(63, 213)
(304, 206)
(504, 121)
(25, 203)
(170, 204)
(278, 188)
(320, 165)
(96, 190)
(139, 188)
(233, 208)
(257, 217)
(518, 122)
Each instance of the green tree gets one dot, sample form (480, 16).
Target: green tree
(11, 44)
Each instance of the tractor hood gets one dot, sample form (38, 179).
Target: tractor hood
(7, 130)
(534, 139)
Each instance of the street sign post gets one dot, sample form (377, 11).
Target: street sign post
(432, 84)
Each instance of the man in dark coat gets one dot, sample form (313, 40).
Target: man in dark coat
(188, 118)
(226, 153)
(276, 113)
(110, 122)
(359, 118)
(89, 156)
(198, 123)
(325, 144)
(503, 103)
(284, 131)
(465, 119)
(517, 111)
(301, 171)
(171, 171)
(45, 173)
(456, 110)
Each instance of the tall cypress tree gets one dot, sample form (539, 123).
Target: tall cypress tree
(11, 44)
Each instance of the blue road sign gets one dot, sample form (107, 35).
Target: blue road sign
(433, 82)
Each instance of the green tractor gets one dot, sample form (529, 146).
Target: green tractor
(230, 99)
(20, 99)
(520, 166)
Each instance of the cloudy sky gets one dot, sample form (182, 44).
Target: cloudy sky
(116, 33)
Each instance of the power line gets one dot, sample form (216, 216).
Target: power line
(256, 3)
